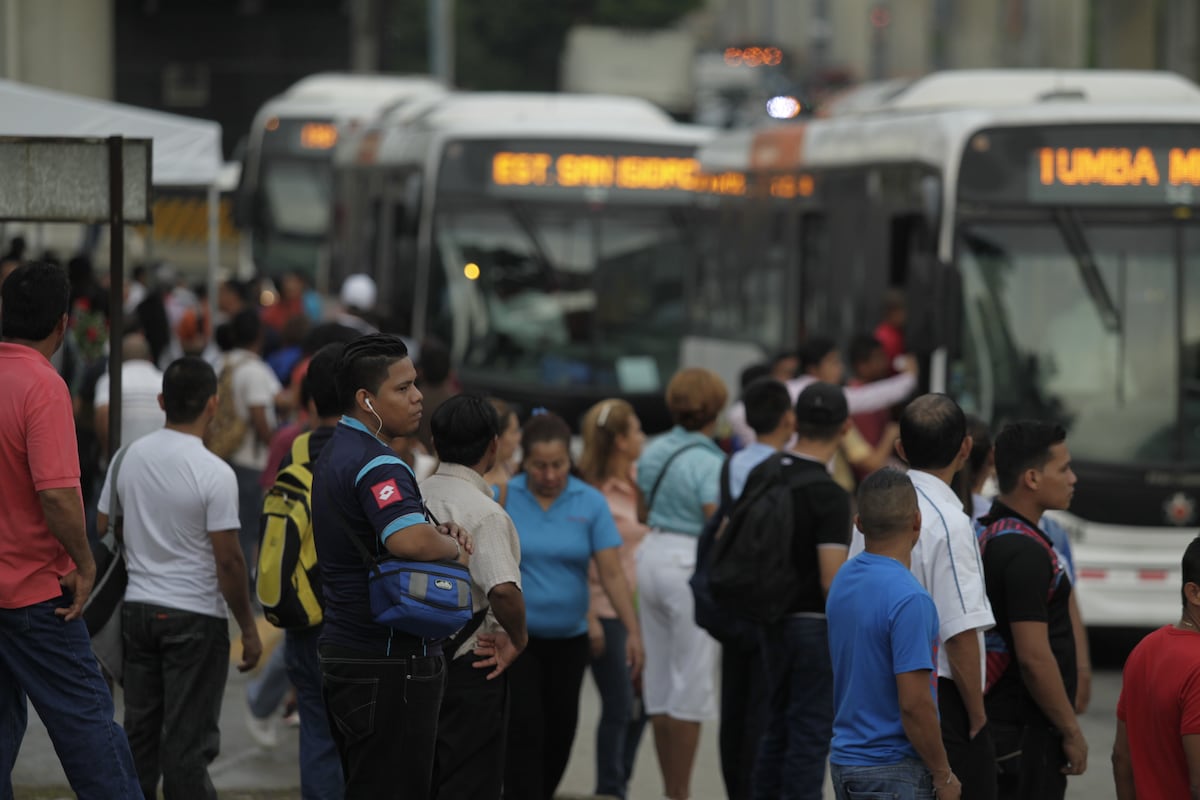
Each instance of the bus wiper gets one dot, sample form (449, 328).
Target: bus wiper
(1077, 243)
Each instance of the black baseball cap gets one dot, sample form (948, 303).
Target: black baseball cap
(822, 404)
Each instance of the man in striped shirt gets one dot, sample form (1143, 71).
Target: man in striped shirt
(935, 444)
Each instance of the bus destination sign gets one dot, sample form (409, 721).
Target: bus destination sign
(638, 173)
(1115, 175)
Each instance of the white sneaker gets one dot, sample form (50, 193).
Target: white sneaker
(262, 731)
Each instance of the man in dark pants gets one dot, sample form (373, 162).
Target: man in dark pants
(474, 714)
(1031, 653)
(382, 686)
(46, 657)
(946, 562)
(176, 506)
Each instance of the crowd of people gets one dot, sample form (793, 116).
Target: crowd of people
(926, 642)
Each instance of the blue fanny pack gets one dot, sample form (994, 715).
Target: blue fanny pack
(429, 599)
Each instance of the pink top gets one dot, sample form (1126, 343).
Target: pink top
(37, 452)
(623, 503)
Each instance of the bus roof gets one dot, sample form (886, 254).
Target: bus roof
(340, 95)
(406, 138)
(944, 110)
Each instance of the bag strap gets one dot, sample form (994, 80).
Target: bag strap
(1012, 526)
(726, 490)
(301, 453)
(118, 512)
(663, 473)
(451, 645)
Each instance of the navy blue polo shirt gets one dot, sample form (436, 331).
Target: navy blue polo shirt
(361, 488)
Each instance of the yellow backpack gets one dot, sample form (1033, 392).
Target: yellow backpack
(288, 580)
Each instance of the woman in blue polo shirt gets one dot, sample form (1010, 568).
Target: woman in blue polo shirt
(563, 524)
(679, 473)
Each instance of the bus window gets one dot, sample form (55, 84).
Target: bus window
(814, 274)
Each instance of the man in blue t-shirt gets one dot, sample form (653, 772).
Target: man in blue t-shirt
(382, 686)
(883, 641)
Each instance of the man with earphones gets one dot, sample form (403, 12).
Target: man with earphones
(382, 686)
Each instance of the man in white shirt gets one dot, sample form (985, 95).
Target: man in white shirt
(473, 722)
(141, 384)
(821, 360)
(175, 505)
(946, 561)
(255, 390)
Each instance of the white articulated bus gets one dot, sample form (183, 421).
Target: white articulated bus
(284, 202)
(545, 238)
(1046, 229)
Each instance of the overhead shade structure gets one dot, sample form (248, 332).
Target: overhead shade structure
(186, 152)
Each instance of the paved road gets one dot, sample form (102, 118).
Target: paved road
(244, 766)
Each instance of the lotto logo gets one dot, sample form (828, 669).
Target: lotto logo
(386, 493)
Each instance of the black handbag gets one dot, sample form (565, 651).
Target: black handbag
(102, 610)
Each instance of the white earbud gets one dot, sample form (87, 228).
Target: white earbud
(370, 405)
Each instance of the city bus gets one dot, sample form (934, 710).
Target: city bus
(544, 238)
(284, 201)
(1045, 227)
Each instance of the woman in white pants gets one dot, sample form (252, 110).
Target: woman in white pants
(679, 473)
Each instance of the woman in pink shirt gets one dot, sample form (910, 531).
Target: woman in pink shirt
(612, 443)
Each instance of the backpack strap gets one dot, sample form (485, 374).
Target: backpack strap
(117, 512)
(726, 489)
(663, 473)
(1009, 526)
(301, 452)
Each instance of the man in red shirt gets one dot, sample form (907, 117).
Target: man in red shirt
(46, 568)
(1156, 755)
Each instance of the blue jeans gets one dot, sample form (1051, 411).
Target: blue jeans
(620, 729)
(908, 780)
(49, 663)
(265, 693)
(176, 663)
(250, 501)
(320, 765)
(791, 756)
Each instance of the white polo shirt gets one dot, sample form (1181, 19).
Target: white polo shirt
(174, 495)
(947, 563)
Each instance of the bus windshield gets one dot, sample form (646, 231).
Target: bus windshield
(565, 295)
(1077, 322)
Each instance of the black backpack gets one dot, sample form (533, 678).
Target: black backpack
(752, 569)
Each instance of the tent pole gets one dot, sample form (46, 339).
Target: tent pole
(116, 271)
(214, 254)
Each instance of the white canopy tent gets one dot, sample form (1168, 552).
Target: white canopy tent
(186, 151)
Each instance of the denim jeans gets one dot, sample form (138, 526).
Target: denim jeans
(472, 733)
(907, 780)
(250, 500)
(791, 756)
(265, 693)
(176, 663)
(49, 663)
(383, 715)
(620, 730)
(320, 765)
(744, 715)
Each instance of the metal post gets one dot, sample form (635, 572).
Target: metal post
(214, 256)
(441, 40)
(116, 289)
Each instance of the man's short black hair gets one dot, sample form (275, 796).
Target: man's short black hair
(321, 379)
(753, 373)
(365, 364)
(862, 348)
(932, 429)
(887, 504)
(1191, 567)
(188, 384)
(34, 298)
(435, 362)
(463, 427)
(246, 328)
(766, 401)
(1024, 445)
(813, 351)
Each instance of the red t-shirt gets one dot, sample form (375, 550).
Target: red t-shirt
(892, 339)
(37, 452)
(1160, 704)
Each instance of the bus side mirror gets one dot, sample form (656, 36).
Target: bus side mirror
(930, 190)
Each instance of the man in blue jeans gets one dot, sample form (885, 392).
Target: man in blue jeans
(46, 568)
(883, 641)
(792, 753)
